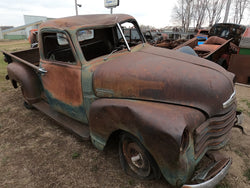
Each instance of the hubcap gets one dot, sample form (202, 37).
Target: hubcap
(136, 158)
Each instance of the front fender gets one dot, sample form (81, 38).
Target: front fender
(27, 79)
(158, 126)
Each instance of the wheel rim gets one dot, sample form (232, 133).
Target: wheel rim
(136, 158)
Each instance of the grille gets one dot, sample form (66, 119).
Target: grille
(214, 133)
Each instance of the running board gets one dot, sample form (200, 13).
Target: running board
(70, 124)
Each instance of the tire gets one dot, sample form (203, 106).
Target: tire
(28, 106)
(135, 160)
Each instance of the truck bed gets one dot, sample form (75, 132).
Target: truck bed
(31, 55)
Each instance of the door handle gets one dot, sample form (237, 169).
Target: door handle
(42, 70)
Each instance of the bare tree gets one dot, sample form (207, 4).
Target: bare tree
(182, 13)
(214, 9)
(146, 27)
(227, 11)
(199, 12)
(240, 6)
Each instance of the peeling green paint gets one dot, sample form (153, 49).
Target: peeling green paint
(187, 163)
(75, 112)
(97, 141)
(87, 88)
(104, 92)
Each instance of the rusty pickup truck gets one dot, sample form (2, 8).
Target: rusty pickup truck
(168, 109)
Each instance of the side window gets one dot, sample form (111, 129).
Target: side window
(56, 48)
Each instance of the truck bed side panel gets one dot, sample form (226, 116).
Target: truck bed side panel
(31, 55)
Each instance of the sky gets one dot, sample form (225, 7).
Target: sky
(156, 13)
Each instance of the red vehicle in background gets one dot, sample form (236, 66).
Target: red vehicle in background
(202, 35)
(33, 39)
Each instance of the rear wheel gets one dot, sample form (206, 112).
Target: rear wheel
(135, 159)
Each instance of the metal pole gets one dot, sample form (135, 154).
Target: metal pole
(76, 7)
(111, 10)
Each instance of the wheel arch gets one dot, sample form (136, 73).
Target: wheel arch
(158, 126)
(110, 117)
(144, 120)
(28, 80)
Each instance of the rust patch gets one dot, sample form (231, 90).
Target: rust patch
(191, 43)
(149, 76)
(63, 81)
(95, 20)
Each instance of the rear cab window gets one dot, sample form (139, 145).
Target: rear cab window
(56, 47)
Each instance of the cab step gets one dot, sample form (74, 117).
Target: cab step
(68, 123)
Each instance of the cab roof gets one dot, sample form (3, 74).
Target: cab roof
(81, 21)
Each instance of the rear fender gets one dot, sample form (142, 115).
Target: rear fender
(27, 79)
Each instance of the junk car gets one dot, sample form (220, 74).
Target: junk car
(168, 109)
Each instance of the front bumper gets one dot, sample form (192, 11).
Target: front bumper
(215, 179)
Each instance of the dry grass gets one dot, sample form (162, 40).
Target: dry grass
(10, 46)
(35, 152)
(14, 45)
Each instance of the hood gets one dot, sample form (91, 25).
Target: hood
(168, 76)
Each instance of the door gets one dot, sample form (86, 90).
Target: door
(62, 78)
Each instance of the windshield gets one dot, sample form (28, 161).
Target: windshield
(96, 42)
(132, 35)
(228, 31)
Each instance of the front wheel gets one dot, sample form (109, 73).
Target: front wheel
(136, 160)
(27, 105)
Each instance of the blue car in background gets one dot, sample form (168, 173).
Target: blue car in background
(202, 36)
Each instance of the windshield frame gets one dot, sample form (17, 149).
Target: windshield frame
(137, 29)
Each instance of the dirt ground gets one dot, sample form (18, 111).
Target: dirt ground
(36, 152)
